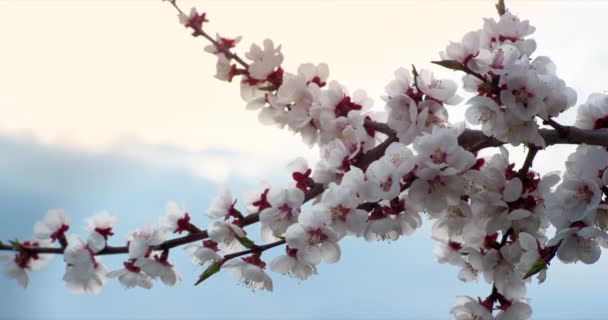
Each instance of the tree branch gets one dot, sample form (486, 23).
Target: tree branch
(198, 31)
(472, 140)
(532, 151)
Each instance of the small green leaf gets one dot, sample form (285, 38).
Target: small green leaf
(212, 269)
(415, 74)
(450, 64)
(246, 242)
(268, 88)
(500, 7)
(15, 244)
(539, 265)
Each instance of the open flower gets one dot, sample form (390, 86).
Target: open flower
(176, 219)
(226, 234)
(442, 90)
(313, 238)
(99, 227)
(264, 60)
(131, 276)
(284, 210)
(84, 272)
(140, 241)
(594, 113)
(204, 253)
(16, 267)
(223, 204)
(159, 267)
(291, 265)
(53, 226)
(250, 271)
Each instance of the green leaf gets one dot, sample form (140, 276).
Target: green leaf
(415, 74)
(539, 265)
(15, 244)
(450, 64)
(212, 269)
(246, 242)
(500, 7)
(268, 88)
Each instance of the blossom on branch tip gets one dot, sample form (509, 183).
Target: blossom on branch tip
(194, 20)
(508, 29)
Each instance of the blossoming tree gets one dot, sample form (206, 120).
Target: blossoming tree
(378, 173)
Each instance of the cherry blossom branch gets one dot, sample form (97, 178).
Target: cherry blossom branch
(198, 31)
(475, 140)
(194, 236)
(532, 151)
(561, 130)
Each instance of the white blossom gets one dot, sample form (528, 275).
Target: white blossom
(84, 272)
(99, 227)
(53, 226)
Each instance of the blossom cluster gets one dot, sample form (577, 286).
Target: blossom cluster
(379, 174)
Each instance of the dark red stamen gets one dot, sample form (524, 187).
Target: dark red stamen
(183, 224)
(601, 123)
(262, 203)
(302, 179)
(344, 106)
(318, 81)
(59, 232)
(255, 260)
(105, 232)
(210, 244)
(129, 266)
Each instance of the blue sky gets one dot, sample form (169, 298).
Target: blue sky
(398, 280)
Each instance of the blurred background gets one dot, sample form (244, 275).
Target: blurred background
(112, 105)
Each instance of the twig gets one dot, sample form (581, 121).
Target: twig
(532, 151)
(198, 31)
(561, 130)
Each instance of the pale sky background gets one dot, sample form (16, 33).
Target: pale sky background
(113, 105)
